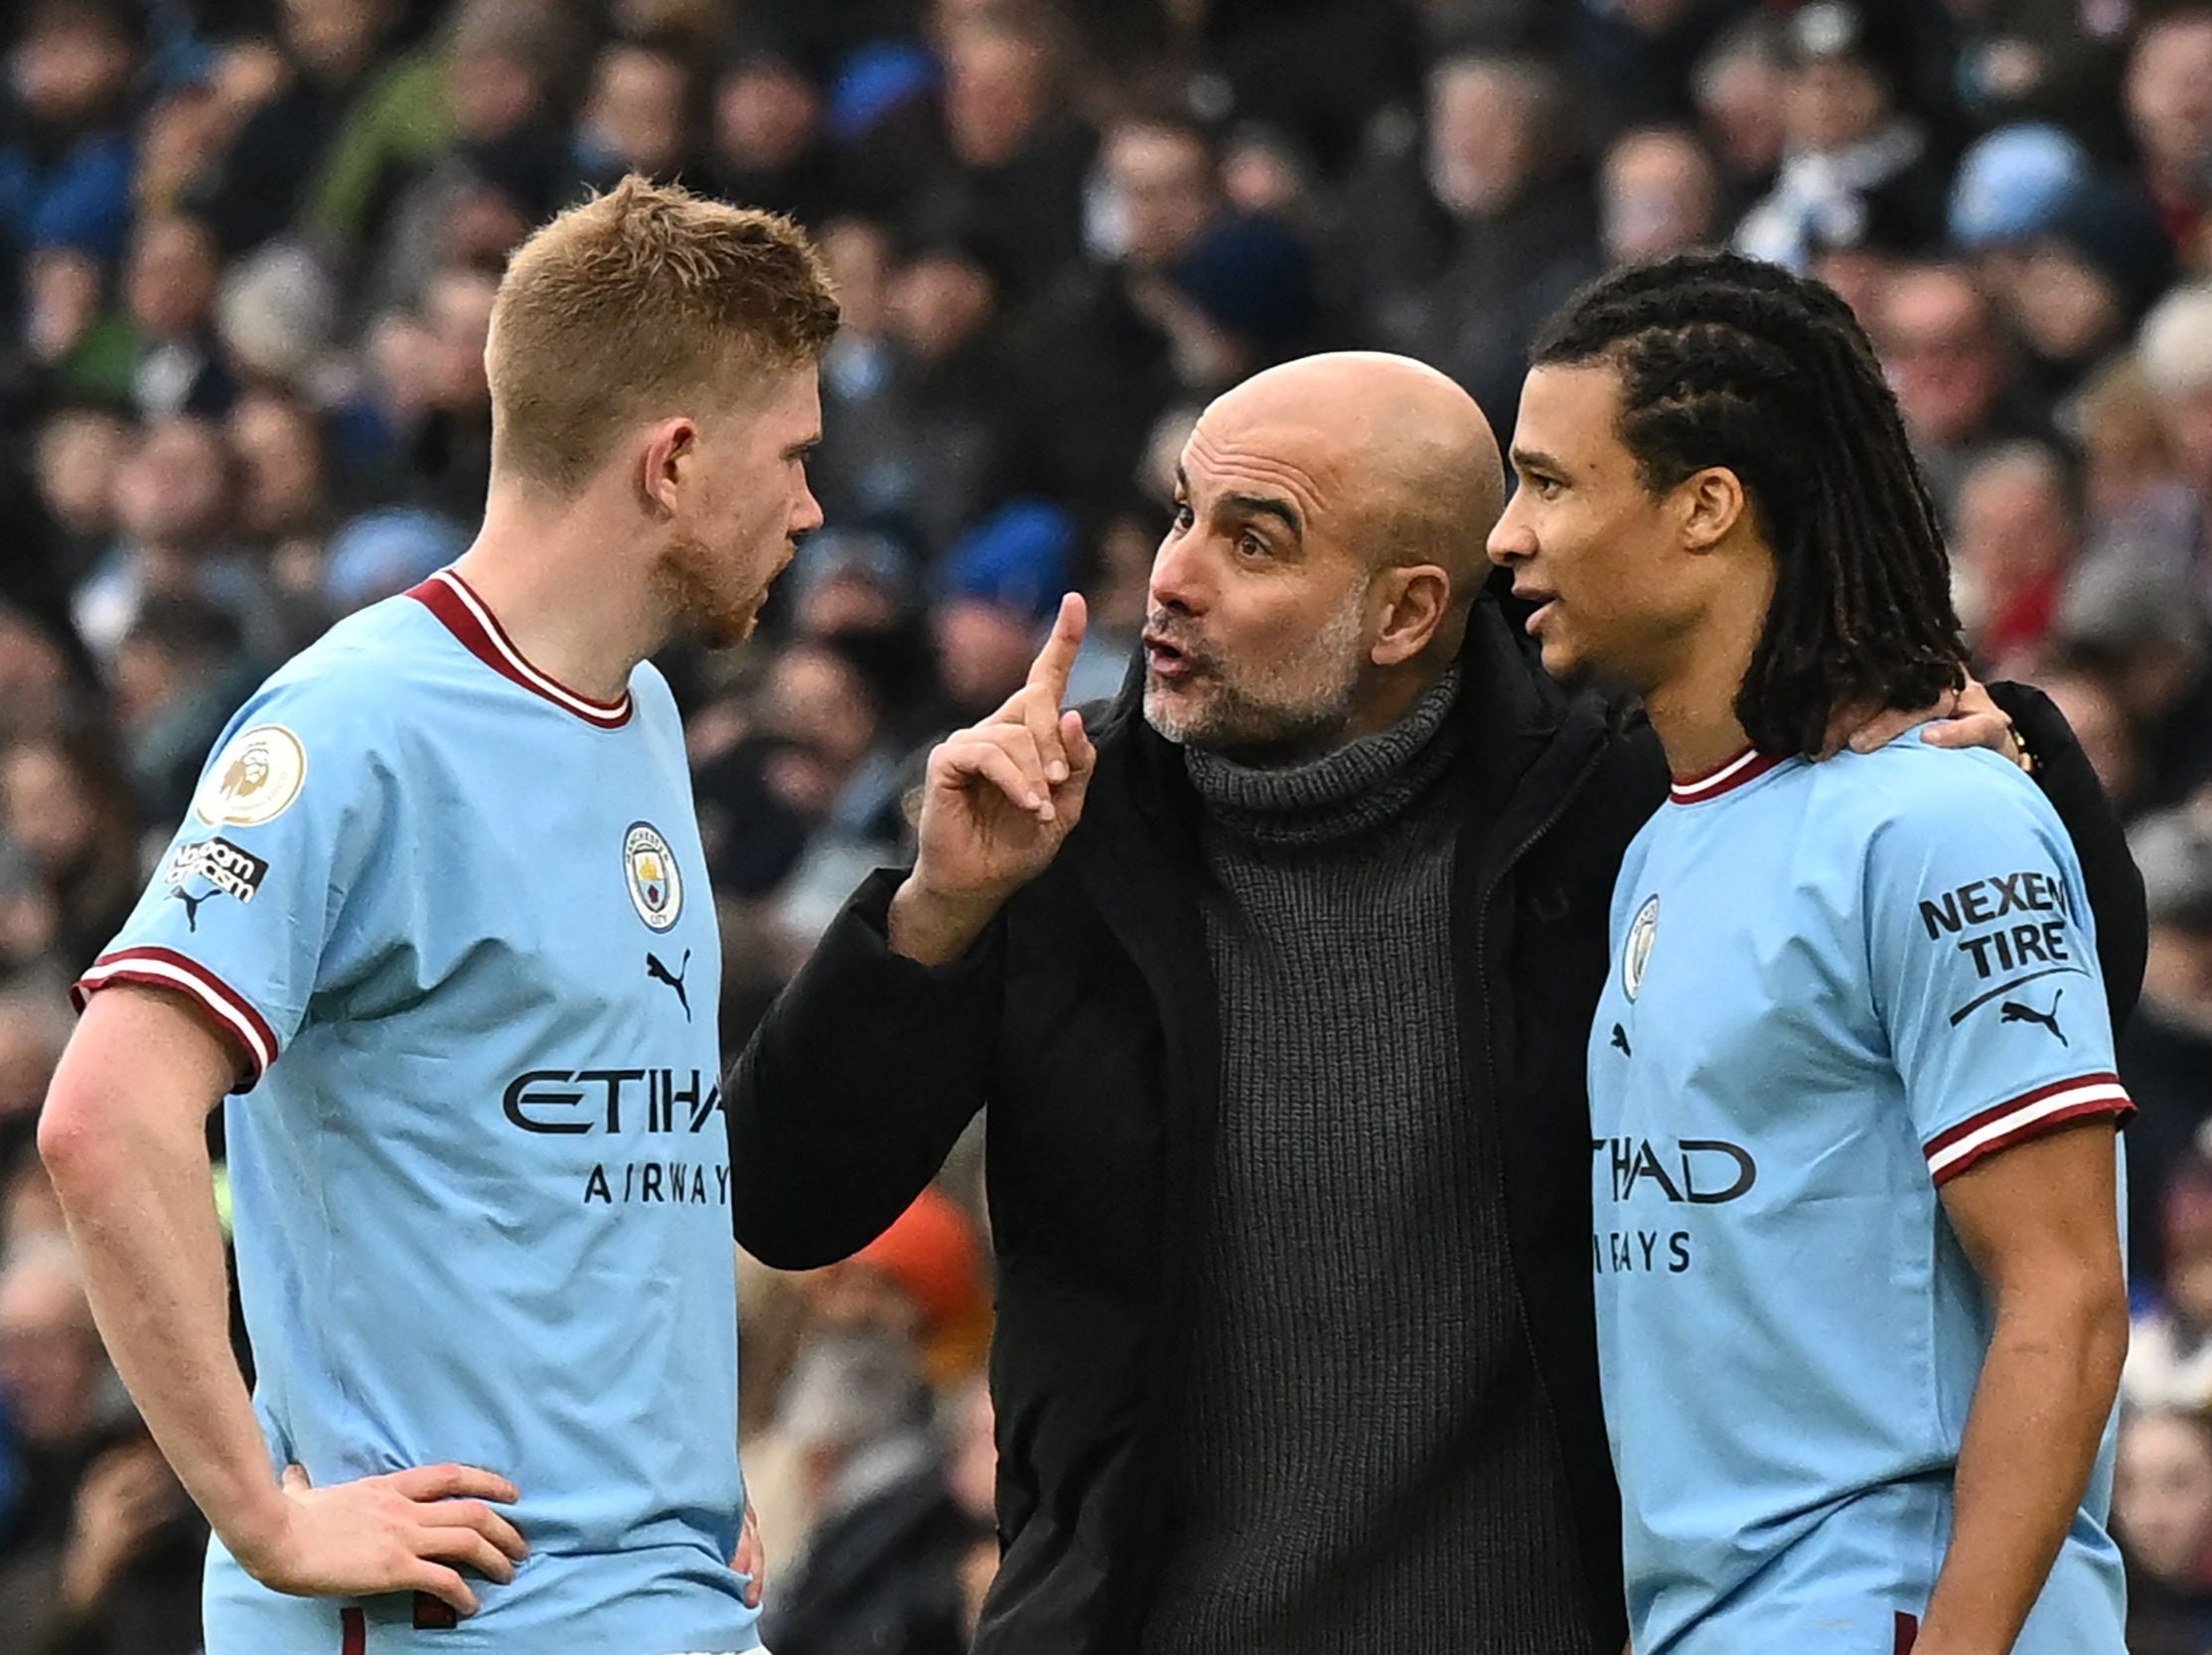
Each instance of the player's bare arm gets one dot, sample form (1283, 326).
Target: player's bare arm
(1000, 799)
(123, 1136)
(2038, 1222)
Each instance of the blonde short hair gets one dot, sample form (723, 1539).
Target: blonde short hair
(626, 306)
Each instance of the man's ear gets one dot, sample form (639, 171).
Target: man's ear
(1418, 599)
(1712, 503)
(668, 446)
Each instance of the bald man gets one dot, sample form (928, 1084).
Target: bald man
(1275, 976)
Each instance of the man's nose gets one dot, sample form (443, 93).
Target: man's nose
(1510, 540)
(810, 512)
(1179, 577)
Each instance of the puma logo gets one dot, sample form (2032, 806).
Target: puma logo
(191, 908)
(1620, 1039)
(2012, 1011)
(661, 974)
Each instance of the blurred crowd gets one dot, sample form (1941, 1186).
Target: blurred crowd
(247, 253)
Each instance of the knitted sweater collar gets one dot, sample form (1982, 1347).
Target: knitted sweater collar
(1355, 789)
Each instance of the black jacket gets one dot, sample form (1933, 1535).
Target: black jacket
(1085, 1018)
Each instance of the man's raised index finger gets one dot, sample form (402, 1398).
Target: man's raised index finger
(1057, 658)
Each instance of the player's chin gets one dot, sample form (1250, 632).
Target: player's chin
(1562, 656)
(725, 627)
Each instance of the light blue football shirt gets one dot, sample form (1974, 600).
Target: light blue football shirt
(1834, 986)
(457, 918)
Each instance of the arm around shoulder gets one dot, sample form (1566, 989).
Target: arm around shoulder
(856, 1086)
(2108, 872)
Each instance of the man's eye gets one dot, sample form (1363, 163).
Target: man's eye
(1182, 515)
(1252, 546)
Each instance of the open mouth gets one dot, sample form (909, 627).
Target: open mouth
(1542, 601)
(1167, 660)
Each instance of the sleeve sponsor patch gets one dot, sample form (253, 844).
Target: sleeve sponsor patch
(230, 868)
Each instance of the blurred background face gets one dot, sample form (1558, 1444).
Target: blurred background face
(1481, 137)
(457, 323)
(492, 90)
(765, 115)
(939, 302)
(48, 811)
(997, 88)
(814, 693)
(637, 112)
(31, 1042)
(2013, 526)
(33, 676)
(332, 38)
(174, 269)
(858, 253)
(2170, 94)
(2186, 414)
(1741, 100)
(983, 651)
(1942, 354)
(2099, 724)
(51, 1359)
(71, 70)
(2163, 1494)
(1659, 195)
(174, 491)
(280, 471)
(2066, 309)
(1164, 189)
(1833, 103)
(77, 457)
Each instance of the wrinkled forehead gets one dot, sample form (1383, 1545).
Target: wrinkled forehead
(1250, 445)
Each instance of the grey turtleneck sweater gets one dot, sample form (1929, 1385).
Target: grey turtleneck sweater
(1363, 1463)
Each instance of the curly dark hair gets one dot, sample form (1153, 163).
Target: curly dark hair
(1725, 360)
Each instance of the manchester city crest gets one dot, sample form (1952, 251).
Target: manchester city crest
(648, 866)
(1638, 953)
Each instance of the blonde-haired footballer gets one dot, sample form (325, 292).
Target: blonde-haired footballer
(450, 951)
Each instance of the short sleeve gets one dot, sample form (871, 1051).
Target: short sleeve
(291, 810)
(1984, 970)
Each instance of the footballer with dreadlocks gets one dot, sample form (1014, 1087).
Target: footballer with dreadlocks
(1860, 1298)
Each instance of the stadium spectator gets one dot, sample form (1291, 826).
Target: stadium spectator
(2169, 110)
(2092, 711)
(2015, 538)
(325, 83)
(58, 1392)
(2162, 1511)
(78, 452)
(1458, 248)
(879, 1568)
(2167, 1053)
(642, 113)
(174, 500)
(1854, 151)
(2174, 346)
(1954, 373)
(2140, 625)
(169, 291)
(1659, 195)
(1097, 363)
(64, 808)
(1016, 152)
